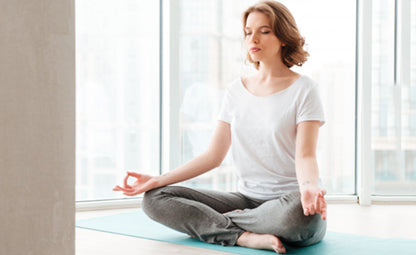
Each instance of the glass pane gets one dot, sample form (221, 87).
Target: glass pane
(329, 28)
(212, 55)
(117, 93)
(393, 105)
(409, 125)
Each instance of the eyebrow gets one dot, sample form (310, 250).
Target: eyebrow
(260, 27)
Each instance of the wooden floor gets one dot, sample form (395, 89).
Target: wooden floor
(388, 221)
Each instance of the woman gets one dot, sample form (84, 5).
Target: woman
(272, 119)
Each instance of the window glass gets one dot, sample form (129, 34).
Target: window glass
(394, 99)
(117, 100)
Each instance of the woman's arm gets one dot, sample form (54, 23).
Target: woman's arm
(307, 171)
(210, 159)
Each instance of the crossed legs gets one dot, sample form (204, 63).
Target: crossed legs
(234, 219)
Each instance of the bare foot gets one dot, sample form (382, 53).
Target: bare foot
(261, 241)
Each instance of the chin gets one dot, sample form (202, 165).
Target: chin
(254, 58)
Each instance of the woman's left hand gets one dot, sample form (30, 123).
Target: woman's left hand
(313, 201)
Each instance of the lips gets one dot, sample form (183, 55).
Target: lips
(254, 49)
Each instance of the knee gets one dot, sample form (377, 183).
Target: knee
(151, 201)
(301, 230)
(311, 230)
(313, 233)
(154, 201)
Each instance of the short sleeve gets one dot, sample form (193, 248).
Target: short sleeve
(310, 108)
(224, 114)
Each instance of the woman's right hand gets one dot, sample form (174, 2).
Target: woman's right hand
(141, 185)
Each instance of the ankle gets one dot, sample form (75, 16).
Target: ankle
(243, 239)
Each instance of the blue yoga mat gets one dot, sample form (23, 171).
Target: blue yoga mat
(137, 224)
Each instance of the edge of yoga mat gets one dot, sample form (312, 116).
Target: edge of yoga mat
(137, 224)
(166, 234)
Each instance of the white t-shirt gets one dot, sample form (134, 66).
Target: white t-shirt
(263, 134)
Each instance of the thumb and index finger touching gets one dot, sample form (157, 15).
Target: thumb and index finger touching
(126, 186)
(317, 204)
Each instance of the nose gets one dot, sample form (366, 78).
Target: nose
(254, 38)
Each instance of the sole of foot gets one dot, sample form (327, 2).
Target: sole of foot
(261, 241)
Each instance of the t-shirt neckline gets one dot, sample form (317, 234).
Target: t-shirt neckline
(271, 95)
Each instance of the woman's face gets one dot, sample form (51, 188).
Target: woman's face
(262, 44)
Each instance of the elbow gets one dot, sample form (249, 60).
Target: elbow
(305, 157)
(216, 162)
(305, 154)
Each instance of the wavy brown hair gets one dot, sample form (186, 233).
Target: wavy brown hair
(285, 28)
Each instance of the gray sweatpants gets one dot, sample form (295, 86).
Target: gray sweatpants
(200, 213)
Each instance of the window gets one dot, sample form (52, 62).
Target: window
(210, 56)
(117, 59)
(394, 97)
(119, 76)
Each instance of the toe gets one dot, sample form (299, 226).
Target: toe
(281, 250)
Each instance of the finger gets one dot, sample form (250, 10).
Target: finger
(144, 188)
(306, 211)
(132, 193)
(125, 182)
(323, 213)
(323, 205)
(322, 202)
(303, 207)
(312, 210)
(318, 202)
(133, 174)
(118, 188)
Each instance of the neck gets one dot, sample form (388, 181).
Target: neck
(273, 70)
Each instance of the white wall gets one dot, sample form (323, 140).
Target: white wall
(37, 127)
